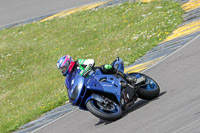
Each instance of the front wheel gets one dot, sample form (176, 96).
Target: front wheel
(149, 89)
(110, 111)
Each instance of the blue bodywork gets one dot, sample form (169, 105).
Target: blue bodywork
(81, 89)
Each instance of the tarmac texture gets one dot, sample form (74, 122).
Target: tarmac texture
(174, 64)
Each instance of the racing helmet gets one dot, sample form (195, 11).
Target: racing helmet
(65, 64)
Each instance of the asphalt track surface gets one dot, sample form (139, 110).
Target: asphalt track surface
(176, 110)
(17, 10)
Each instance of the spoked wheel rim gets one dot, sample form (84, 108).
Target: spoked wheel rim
(109, 111)
(110, 108)
(151, 84)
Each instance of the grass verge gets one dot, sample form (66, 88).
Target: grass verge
(30, 84)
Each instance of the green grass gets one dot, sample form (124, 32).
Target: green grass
(30, 84)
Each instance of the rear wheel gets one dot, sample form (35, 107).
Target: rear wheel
(149, 90)
(110, 111)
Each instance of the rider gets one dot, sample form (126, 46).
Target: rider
(67, 66)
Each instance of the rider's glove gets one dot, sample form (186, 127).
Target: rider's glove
(86, 71)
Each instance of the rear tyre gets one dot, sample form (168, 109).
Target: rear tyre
(110, 112)
(150, 91)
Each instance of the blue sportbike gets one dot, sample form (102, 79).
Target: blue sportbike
(101, 93)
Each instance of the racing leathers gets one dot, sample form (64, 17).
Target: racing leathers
(85, 65)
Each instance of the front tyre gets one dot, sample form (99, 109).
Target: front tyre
(110, 111)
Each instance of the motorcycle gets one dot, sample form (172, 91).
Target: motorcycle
(101, 93)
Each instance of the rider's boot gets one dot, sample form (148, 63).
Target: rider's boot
(130, 79)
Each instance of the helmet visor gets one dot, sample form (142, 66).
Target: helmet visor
(64, 69)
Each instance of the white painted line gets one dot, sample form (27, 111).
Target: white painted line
(172, 53)
(53, 121)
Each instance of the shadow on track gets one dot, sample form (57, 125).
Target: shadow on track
(132, 108)
(140, 104)
(103, 122)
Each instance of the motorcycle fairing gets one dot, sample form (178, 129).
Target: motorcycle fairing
(119, 65)
(106, 84)
(75, 86)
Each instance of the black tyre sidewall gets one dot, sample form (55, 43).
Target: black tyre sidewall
(148, 94)
(101, 115)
